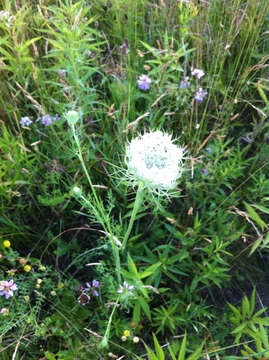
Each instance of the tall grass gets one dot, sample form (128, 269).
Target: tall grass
(185, 258)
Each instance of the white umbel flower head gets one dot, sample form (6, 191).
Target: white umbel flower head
(154, 160)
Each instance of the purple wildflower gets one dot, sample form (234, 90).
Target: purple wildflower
(47, 120)
(95, 283)
(200, 94)
(204, 171)
(25, 121)
(88, 288)
(198, 73)
(7, 288)
(4, 311)
(95, 293)
(124, 287)
(56, 117)
(144, 82)
(184, 83)
(208, 150)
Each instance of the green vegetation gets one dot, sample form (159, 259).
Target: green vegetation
(117, 247)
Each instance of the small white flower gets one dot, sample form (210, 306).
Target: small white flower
(154, 160)
(198, 73)
(125, 287)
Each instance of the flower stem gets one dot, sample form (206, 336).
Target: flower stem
(138, 201)
(104, 342)
(106, 222)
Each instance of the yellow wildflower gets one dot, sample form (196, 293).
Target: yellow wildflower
(27, 268)
(126, 333)
(6, 243)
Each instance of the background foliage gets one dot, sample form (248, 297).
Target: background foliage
(198, 263)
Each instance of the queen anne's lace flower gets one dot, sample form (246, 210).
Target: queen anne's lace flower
(154, 160)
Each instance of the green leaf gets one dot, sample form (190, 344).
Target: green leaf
(150, 270)
(145, 307)
(254, 216)
(197, 353)
(181, 354)
(255, 245)
(239, 328)
(245, 307)
(261, 208)
(136, 313)
(132, 268)
(158, 349)
(50, 356)
(252, 302)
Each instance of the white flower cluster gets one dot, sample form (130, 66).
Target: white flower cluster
(154, 160)
(6, 17)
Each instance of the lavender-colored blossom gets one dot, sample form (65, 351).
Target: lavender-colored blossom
(95, 283)
(95, 293)
(88, 288)
(4, 311)
(47, 120)
(7, 288)
(56, 117)
(144, 82)
(198, 73)
(204, 171)
(184, 83)
(208, 150)
(200, 94)
(124, 287)
(25, 121)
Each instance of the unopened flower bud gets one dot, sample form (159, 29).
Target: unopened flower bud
(72, 117)
(76, 191)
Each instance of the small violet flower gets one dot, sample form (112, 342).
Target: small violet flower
(7, 288)
(95, 284)
(184, 83)
(25, 121)
(198, 73)
(4, 311)
(47, 120)
(144, 82)
(124, 287)
(204, 171)
(208, 150)
(200, 94)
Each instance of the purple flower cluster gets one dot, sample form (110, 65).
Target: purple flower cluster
(144, 82)
(7, 288)
(200, 94)
(204, 171)
(25, 121)
(45, 119)
(84, 298)
(184, 83)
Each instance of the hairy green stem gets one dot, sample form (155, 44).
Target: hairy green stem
(106, 224)
(104, 342)
(138, 201)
